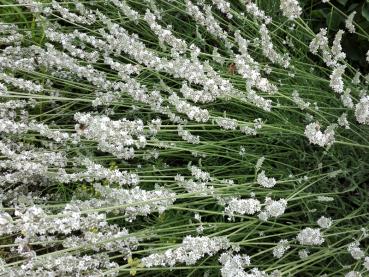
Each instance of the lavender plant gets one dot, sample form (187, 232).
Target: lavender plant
(166, 137)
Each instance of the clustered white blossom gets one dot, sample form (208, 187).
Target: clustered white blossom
(353, 274)
(254, 10)
(290, 8)
(356, 79)
(196, 95)
(131, 202)
(366, 263)
(242, 206)
(331, 56)
(64, 265)
(281, 248)
(272, 208)
(233, 265)
(259, 163)
(187, 136)
(321, 198)
(20, 83)
(349, 22)
(96, 172)
(10, 34)
(252, 131)
(299, 101)
(269, 51)
(165, 35)
(189, 251)
(342, 121)
(85, 16)
(116, 137)
(249, 69)
(191, 186)
(66, 41)
(310, 236)
(362, 110)
(303, 254)
(207, 20)
(346, 99)
(315, 136)
(224, 7)
(356, 252)
(193, 112)
(126, 9)
(46, 131)
(324, 222)
(227, 123)
(264, 181)
(199, 174)
(34, 221)
(110, 237)
(336, 81)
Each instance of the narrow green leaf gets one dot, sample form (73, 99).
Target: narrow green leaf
(365, 12)
(342, 2)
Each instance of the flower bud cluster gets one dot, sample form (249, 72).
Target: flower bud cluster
(189, 252)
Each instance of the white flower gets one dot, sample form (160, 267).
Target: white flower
(224, 7)
(349, 22)
(165, 35)
(356, 79)
(346, 99)
(353, 274)
(199, 174)
(6, 223)
(275, 208)
(268, 48)
(187, 136)
(290, 8)
(366, 263)
(320, 41)
(325, 198)
(264, 181)
(281, 248)
(259, 163)
(242, 206)
(207, 20)
(362, 110)
(127, 10)
(114, 136)
(303, 254)
(189, 251)
(202, 188)
(233, 265)
(324, 222)
(356, 252)
(259, 14)
(336, 81)
(315, 136)
(342, 121)
(193, 112)
(226, 123)
(310, 236)
(299, 101)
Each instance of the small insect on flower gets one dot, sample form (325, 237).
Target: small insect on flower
(81, 127)
(232, 68)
